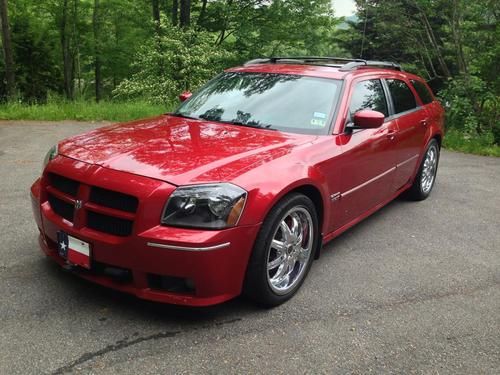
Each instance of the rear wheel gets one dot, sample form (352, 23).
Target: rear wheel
(426, 176)
(283, 252)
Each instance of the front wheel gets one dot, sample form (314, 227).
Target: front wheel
(283, 252)
(426, 176)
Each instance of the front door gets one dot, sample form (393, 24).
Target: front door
(368, 157)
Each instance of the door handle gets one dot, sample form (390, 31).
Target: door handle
(424, 122)
(391, 135)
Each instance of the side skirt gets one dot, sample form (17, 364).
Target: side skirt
(330, 236)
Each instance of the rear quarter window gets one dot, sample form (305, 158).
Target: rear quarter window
(402, 96)
(423, 92)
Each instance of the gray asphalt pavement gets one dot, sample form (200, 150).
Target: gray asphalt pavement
(413, 289)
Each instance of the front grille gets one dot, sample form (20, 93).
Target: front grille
(113, 199)
(64, 194)
(61, 208)
(64, 184)
(109, 224)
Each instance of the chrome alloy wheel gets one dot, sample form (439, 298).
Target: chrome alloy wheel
(290, 250)
(429, 169)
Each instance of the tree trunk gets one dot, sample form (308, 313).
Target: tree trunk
(203, 11)
(67, 58)
(175, 12)
(432, 40)
(455, 24)
(76, 35)
(7, 51)
(155, 4)
(97, 51)
(185, 18)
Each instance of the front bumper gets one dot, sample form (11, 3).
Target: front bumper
(213, 262)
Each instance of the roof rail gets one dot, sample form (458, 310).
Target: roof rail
(345, 64)
(367, 63)
(327, 61)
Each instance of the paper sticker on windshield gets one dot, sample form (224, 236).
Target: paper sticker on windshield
(319, 119)
(318, 122)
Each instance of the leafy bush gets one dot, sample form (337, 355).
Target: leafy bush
(178, 60)
(472, 108)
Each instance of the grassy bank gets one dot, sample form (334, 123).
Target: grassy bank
(81, 111)
(478, 145)
(125, 111)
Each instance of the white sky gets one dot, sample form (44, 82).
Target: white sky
(344, 8)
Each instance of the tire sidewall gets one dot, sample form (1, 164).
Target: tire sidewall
(432, 143)
(256, 280)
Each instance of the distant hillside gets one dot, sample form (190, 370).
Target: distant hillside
(344, 25)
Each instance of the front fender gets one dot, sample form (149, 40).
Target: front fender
(270, 183)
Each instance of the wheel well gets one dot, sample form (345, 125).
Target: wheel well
(439, 139)
(313, 194)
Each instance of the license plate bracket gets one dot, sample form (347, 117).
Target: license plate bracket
(73, 250)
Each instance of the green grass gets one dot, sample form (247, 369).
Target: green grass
(58, 110)
(81, 111)
(479, 145)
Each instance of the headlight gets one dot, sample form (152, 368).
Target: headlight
(51, 154)
(214, 206)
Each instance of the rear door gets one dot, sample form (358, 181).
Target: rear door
(434, 110)
(412, 121)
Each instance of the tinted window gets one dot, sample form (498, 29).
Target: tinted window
(402, 97)
(423, 92)
(369, 95)
(289, 103)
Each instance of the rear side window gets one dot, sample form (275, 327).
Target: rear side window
(402, 97)
(423, 92)
(369, 95)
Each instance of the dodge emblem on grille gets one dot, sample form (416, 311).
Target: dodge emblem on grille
(78, 204)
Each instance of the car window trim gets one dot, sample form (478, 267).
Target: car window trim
(336, 111)
(401, 114)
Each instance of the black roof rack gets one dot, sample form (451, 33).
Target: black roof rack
(344, 64)
(379, 64)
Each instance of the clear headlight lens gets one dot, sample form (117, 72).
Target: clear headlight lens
(211, 206)
(51, 154)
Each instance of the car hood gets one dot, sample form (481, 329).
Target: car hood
(181, 151)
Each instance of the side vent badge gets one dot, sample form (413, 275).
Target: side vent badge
(335, 197)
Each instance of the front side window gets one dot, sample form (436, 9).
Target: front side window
(422, 91)
(368, 95)
(402, 97)
(284, 102)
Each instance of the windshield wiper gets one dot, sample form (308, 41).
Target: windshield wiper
(247, 124)
(177, 114)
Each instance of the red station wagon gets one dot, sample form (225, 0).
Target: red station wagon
(239, 188)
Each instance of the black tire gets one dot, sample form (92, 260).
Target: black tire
(257, 284)
(418, 190)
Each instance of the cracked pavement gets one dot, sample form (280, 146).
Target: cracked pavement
(413, 289)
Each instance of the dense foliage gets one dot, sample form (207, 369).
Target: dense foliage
(454, 44)
(150, 50)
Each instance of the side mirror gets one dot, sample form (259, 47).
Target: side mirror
(368, 119)
(185, 96)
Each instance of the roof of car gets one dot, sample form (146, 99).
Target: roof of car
(326, 67)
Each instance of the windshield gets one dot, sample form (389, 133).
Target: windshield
(288, 103)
